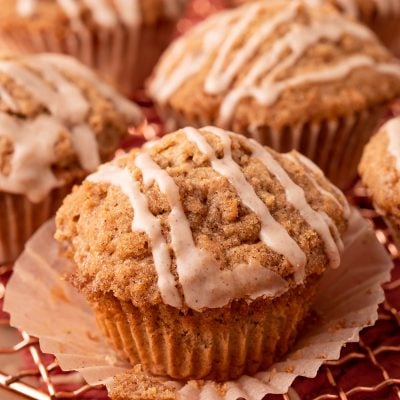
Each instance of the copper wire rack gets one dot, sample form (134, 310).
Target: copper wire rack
(367, 370)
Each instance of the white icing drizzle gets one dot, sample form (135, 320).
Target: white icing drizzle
(343, 203)
(392, 129)
(220, 77)
(261, 80)
(144, 221)
(198, 271)
(34, 141)
(26, 8)
(74, 67)
(204, 284)
(58, 99)
(85, 145)
(272, 233)
(294, 193)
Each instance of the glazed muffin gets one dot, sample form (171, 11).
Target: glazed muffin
(380, 173)
(201, 254)
(381, 16)
(121, 40)
(290, 75)
(57, 123)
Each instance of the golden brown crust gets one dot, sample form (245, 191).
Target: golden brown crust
(362, 89)
(379, 174)
(95, 221)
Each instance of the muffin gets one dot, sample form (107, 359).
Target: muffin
(289, 75)
(121, 40)
(381, 16)
(201, 254)
(57, 123)
(380, 173)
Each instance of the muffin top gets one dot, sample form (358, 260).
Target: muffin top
(275, 63)
(200, 218)
(58, 121)
(380, 168)
(105, 13)
(360, 9)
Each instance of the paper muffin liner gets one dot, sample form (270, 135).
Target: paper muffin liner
(335, 145)
(346, 302)
(124, 56)
(20, 218)
(387, 29)
(393, 223)
(220, 344)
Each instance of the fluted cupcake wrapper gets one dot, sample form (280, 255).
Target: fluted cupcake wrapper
(20, 218)
(124, 56)
(393, 223)
(218, 344)
(335, 145)
(347, 300)
(388, 30)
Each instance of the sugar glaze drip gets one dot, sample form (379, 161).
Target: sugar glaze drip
(261, 81)
(294, 194)
(272, 233)
(203, 283)
(144, 221)
(34, 141)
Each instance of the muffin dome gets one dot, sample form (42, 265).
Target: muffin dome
(201, 254)
(120, 39)
(58, 122)
(182, 222)
(382, 16)
(274, 64)
(380, 173)
(290, 75)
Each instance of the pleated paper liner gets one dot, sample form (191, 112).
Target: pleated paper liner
(216, 345)
(20, 218)
(335, 145)
(46, 306)
(124, 56)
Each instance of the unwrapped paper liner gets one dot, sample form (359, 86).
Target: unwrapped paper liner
(42, 303)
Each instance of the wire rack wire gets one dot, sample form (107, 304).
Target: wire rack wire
(368, 370)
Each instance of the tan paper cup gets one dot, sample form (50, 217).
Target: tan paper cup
(20, 218)
(347, 301)
(124, 56)
(388, 30)
(229, 342)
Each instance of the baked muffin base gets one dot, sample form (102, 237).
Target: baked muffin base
(20, 218)
(220, 344)
(124, 57)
